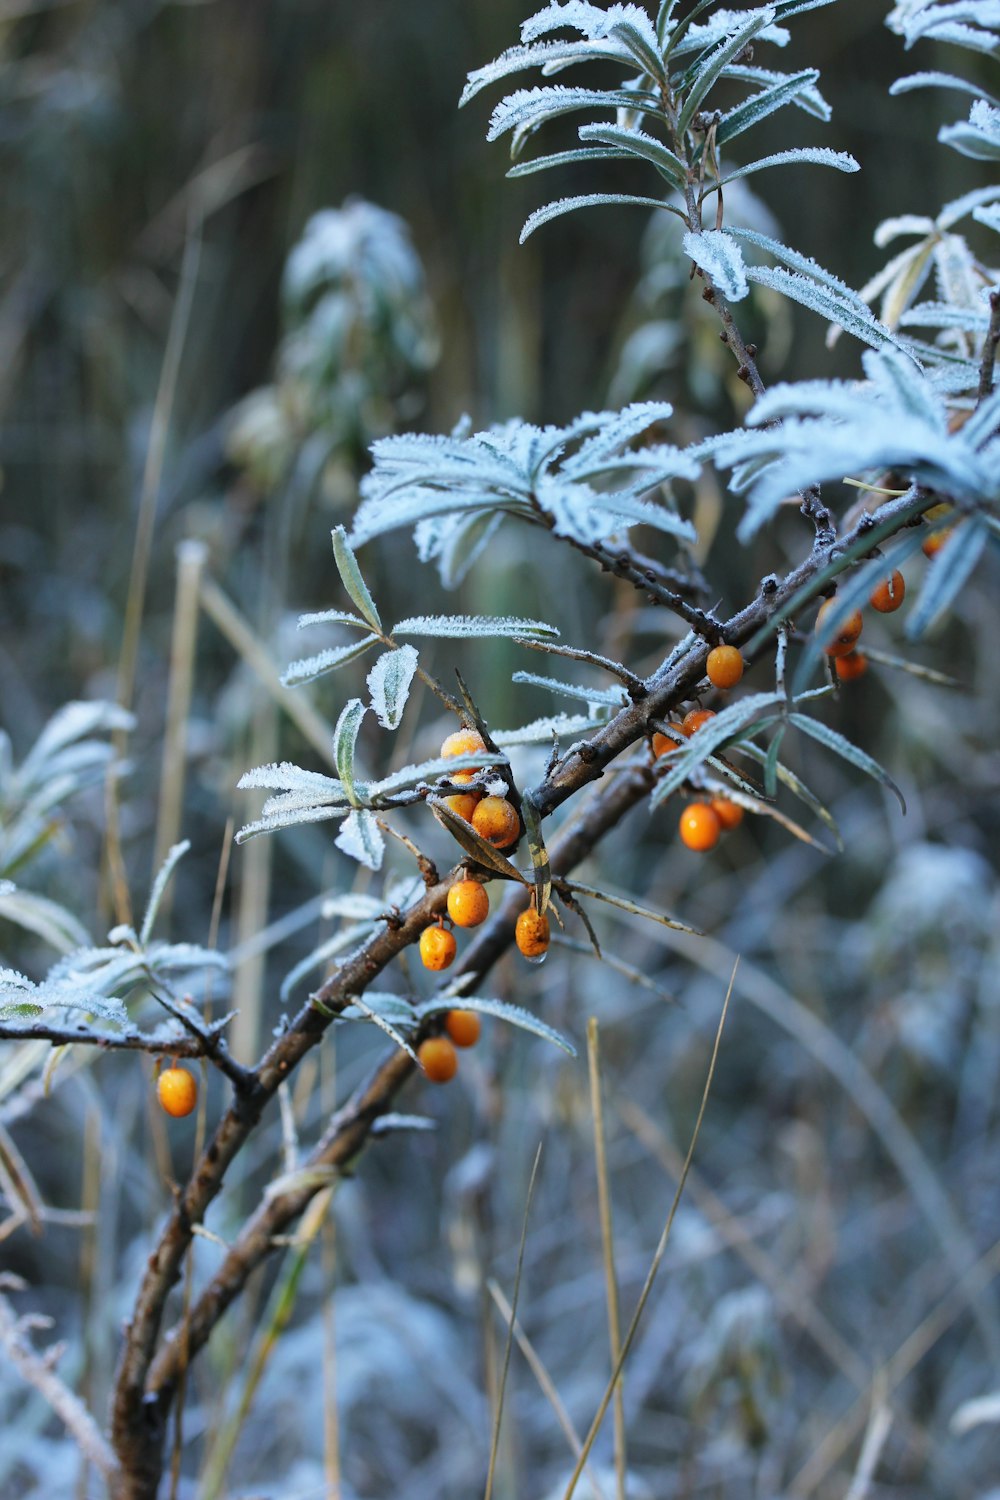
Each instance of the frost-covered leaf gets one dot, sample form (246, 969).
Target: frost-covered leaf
(634, 908)
(526, 109)
(947, 575)
(562, 206)
(819, 299)
(20, 997)
(606, 697)
(543, 731)
(819, 156)
(306, 668)
(979, 136)
(465, 627)
(710, 68)
(540, 54)
(795, 785)
(390, 1123)
(637, 143)
(331, 617)
(286, 777)
(503, 1011)
(389, 684)
(376, 1014)
(345, 942)
(731, 723)
(432, 770)
(835, 741)
(361, 838)
(275, 821)
(927, 80)
(718, 254)
(169, 865)
(345, 736)
(350, 577)
(753, 110)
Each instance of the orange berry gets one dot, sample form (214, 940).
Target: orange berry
(729, 814)
(695, 718)
(438, 1059)
(496, 820)
(437, 947)
(932, 544)
(847, 630)
(468, 903)
(463, 1027)
(724, 666)
(177, 1091)
(849, 667)
(888, 596)
(532, 933)
(699, 827)
(663, 744)
(463, 803)
(463, 742)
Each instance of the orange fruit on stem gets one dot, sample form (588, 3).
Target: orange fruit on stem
(496, 820)
(724, 666)
(699, 827)
(729, 814)
(839, 640)
(463, 742)
(437, 947)
(463, 1027)
(932, 544)
(177, 1091)
(438, 1059)
(468, 903)
(888, 595)
(463, 803)
(850, 667)
(695, 718)
(532, 933)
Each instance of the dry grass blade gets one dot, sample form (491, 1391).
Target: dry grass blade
(607, 1246)
(495, 1444)
(879, 1425)
(658, 1257)
(545, 1382)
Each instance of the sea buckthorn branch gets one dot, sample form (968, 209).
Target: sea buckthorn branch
(142, 1398)
(207, 1043)
(351, 1125)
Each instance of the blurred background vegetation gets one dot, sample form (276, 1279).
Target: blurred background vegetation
(158, 165)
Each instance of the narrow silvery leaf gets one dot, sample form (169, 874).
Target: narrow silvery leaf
(515, 59)
(635, 908)
(735, 720)
(543, 731)
(818, 156)
(834, 740)
(607, 697)
(350, 577)
(342, 942)
(461, 627)
(503, 1011)
(390, 1123)
(589, 200)
(433, 770)
(47, 919)
(361, 838)
(287, 777)
(752, 111)
(531, 107)
(568, 159)
(796, 786)
(20, 996)
(384, 1025)
(74, 721)
(819, 299)
(331, 617)
(389, 684)
(947, 576)
(169, 865)
(936, 80)
(718, 254)
(711, 69)
(309, 667)
(345, 737)
(637, 143)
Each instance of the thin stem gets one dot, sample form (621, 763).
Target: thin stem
(990, 343)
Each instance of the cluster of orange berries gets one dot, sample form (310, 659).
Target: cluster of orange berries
(468, 906)
(703, 823)
(494, 818)
(437, 1054)
(848, 662)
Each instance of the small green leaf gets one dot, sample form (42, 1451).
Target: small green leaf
(350, 577)
(345, 737)
(473, 843)
(835, 741)
(625, 903)
(503, 1011)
